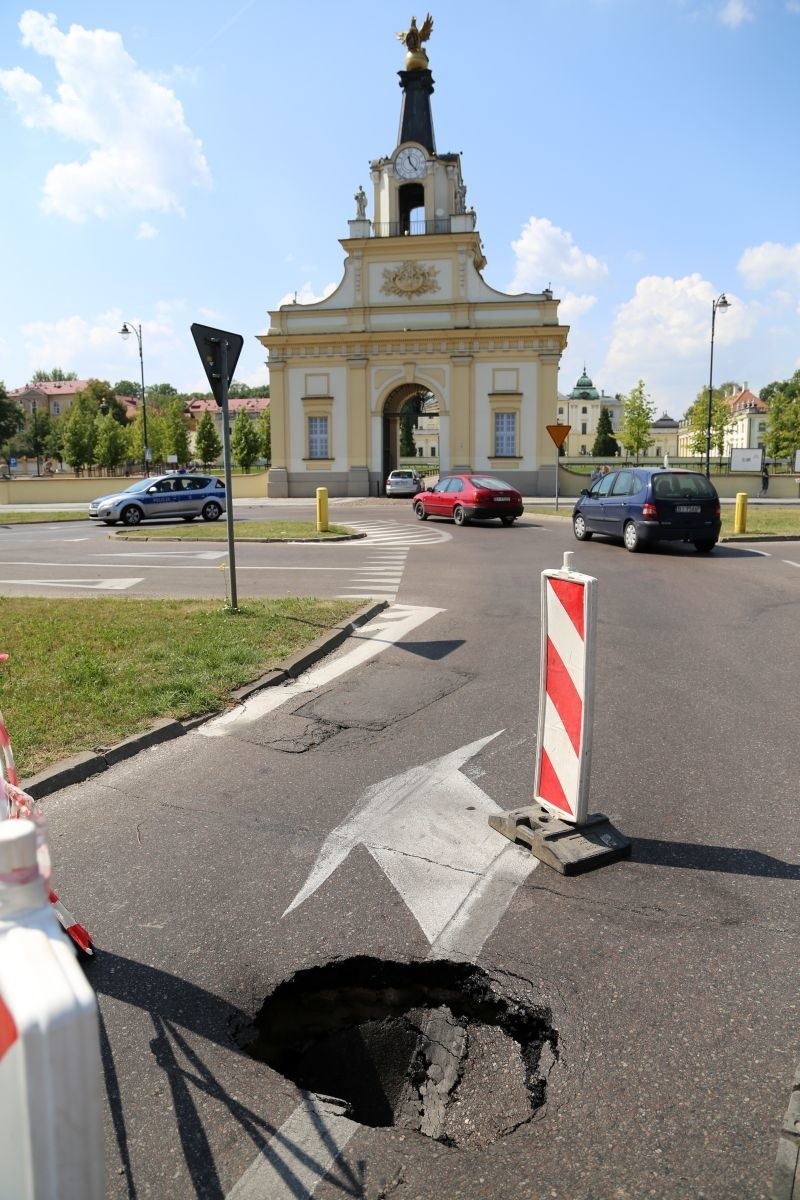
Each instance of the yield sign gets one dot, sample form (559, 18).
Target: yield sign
(209, 344)
(559, 433)
(427, 829)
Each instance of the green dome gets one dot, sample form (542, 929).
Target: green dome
(584, 389)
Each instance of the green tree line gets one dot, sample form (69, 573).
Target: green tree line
(95, 430)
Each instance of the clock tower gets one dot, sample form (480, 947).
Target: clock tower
(413, 323)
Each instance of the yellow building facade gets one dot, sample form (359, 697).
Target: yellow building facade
(413, 321)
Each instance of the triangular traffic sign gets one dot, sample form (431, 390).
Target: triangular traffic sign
(209, 344)
(559, 433)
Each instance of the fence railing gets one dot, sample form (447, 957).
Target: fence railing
(410, 228)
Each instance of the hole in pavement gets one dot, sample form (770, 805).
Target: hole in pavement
(438, 1046)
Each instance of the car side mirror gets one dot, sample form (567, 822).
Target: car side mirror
(584, 491)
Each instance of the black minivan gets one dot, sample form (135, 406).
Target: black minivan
(647, 505)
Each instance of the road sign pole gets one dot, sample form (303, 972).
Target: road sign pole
(226, 454)
(558, 452)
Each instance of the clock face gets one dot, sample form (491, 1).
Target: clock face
(410, 163)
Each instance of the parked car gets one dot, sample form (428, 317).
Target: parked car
(403, 482)
(186, 496)
(646, 505)
(463, 498)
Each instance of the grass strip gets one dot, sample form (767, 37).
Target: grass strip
(243, 531)
(87, 673)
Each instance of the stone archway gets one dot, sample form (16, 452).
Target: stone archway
(394, 406)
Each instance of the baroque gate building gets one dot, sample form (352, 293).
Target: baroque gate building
(413, 321)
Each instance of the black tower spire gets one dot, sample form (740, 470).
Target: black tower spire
(416, 121)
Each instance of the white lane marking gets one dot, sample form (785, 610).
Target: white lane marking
(111, 585)
(789, 563)
(387, 629)
(428, 830)
(298, 1156)
(203, 554)
(172, 566)
(392, 533)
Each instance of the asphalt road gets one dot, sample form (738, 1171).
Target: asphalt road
(207, 872)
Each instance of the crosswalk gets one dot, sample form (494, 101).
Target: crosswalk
(380, 575)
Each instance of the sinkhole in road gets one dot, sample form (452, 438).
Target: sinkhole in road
(436, 1046)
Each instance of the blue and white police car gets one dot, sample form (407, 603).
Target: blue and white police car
(187, 496)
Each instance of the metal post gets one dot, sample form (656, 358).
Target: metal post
(558, 454)
(34, 409)
(144, 405)
(226, 455)
(710, 392)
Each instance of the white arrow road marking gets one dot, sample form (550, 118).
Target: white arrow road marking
(113, 585)
(428, 830)
(457, 892)
(298, 1156)
(388, 628)
(789, 563)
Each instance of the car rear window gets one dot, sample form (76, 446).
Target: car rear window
(494, 485)
(675, 486)
(402, 475)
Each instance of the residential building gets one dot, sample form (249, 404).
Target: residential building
(580, 409)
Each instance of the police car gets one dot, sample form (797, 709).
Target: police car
(186, 496)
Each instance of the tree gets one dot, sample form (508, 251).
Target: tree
(207, 443)
(111, 442)
(126, 387)
(783, 420)
(408, 423)
(12, 416)
(177, 432)
(638, 414)
(605, 444)
(265, 434)
(244, 440)
(54, 376)
(243, 391)
(696, 417)
(80, 431)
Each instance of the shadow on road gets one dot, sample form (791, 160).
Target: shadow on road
(172, 1004)
(696, 857)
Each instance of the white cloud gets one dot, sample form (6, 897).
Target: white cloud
(760, 265)
(146, 231)
(735, 13)
(573, 306)
(94, 347)
(546, 255)
(663, 333)
(142, 155)
(306, 295)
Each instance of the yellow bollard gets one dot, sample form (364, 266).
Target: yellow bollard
(740, 513)
(322, 510)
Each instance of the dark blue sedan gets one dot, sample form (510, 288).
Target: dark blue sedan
(645, 506)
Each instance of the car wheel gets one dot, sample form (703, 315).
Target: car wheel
(508, 520)
(631, 537)
(579, 528)
(459, 516)
(131, 515)
(419, 511)
(190, 517)
(704, 547)
(212, 511)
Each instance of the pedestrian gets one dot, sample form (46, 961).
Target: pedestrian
(764, 481)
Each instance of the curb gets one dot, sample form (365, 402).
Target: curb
(94, 762)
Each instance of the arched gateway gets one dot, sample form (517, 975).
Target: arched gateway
(413, 316)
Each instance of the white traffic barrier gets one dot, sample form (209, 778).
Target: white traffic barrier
(566, 692)
(557, 827)
(51, 1128)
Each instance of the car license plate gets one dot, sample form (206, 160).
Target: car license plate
(502, 499)
(687, 508)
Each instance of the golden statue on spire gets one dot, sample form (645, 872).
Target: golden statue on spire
(416, 58)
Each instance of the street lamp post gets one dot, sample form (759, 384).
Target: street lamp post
(127, 329)
(723, 303)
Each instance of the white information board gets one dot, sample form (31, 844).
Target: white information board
(746, 460)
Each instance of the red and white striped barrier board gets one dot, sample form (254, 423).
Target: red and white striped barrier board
(566, 692)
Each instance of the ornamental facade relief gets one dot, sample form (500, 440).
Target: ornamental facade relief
(410, 279)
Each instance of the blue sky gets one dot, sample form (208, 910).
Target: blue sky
(166, 163)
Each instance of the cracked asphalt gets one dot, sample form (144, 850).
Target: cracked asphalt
(672, 978)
